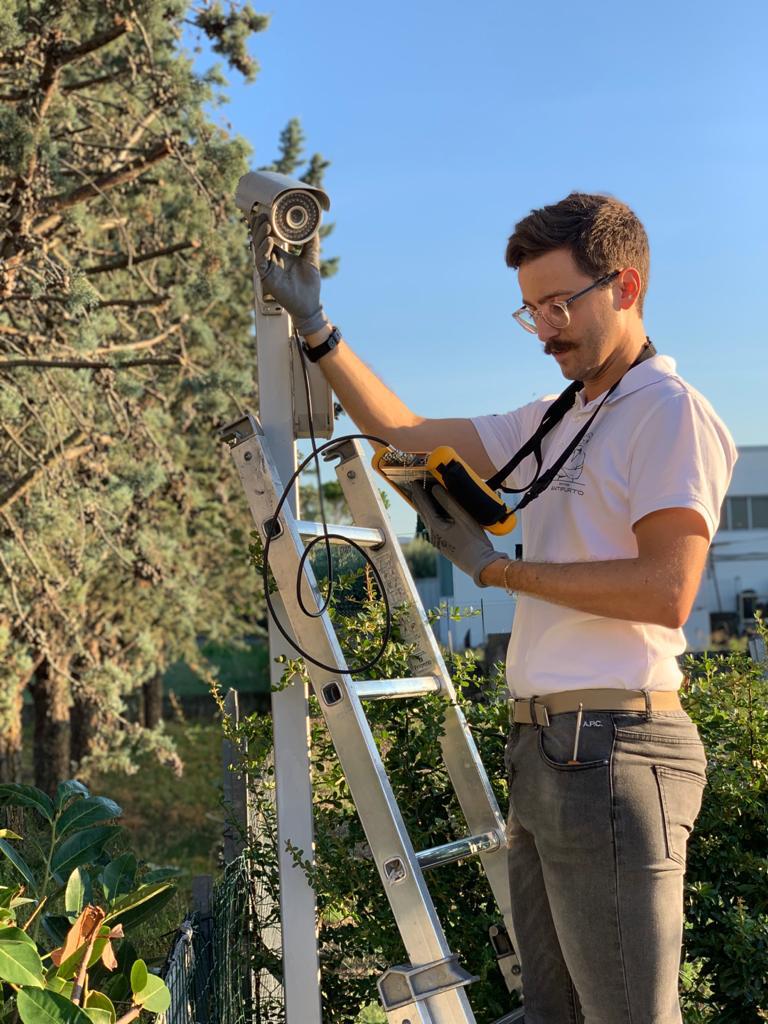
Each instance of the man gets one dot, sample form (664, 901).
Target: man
(606, 769)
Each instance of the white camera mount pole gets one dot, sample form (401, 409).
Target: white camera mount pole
(283, 416)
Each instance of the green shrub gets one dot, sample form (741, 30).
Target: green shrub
(421, 557)
(86, 901)
(725, 974)
(725, 979)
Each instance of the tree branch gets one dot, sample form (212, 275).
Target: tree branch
(133, 346)
(18, 332)
(67, 449)
(82, 364)
(130, 260)
(85, 83)
(68, 54)
(122, 175)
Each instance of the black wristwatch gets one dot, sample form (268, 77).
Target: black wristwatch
(330, 343)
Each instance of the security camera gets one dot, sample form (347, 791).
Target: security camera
(294, 208)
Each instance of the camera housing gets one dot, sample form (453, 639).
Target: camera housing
(294, 207)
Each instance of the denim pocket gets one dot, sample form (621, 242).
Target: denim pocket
(557, 742)
(681, 794)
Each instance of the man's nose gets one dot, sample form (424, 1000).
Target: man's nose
(544, 330)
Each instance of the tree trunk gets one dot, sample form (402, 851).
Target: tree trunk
(84, 720)
(51, 695)
(153, 702)
(11, 737)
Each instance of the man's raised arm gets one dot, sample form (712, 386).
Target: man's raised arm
(374, 408)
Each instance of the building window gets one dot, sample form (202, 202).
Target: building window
(745, 513)
(760, 512)
(738, 514)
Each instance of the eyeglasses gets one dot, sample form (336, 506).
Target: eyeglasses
(556, 313)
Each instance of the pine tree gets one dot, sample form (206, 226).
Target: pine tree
(125, 342)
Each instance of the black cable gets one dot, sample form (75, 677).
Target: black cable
(326, 537)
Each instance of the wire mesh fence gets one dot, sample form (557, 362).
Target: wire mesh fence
(225, 966)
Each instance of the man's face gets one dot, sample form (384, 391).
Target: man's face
(594, 333)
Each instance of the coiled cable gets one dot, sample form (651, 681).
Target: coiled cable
(326, 537)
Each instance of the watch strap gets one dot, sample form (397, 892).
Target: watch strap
(318, 351)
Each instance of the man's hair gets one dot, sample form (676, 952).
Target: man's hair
(601, 232)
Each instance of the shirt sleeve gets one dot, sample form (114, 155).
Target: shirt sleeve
(682, 456)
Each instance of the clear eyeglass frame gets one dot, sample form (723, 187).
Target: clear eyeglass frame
(556, 313)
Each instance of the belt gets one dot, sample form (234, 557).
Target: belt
(536, 710)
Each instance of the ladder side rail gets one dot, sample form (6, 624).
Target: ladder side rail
(395, 857)
(462, 760)
(290, 712)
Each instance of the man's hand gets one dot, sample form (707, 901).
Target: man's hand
(293, 280)
(455, 533)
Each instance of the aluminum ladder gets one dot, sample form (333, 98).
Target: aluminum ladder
(431, 988)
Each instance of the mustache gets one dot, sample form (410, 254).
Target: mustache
(554, 347)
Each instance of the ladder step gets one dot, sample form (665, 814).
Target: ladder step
(389, 689)
(365, 536)
(450, 852)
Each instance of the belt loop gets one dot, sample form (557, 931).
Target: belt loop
(532, 711)
(648, 705)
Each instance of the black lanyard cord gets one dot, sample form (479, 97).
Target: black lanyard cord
(553, 415)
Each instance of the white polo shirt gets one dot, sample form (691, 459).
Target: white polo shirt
(656, 443)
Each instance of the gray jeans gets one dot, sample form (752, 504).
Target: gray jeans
(596, 859)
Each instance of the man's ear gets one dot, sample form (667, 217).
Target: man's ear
(630, 284)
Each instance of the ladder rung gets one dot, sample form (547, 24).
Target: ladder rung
(388, 689)
(365, 536)
(447, 854)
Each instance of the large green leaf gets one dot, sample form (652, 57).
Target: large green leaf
(57, 984)
(41, 1006)
(155, 995)
(68, 968)
(26, 796)
(20, 962)
(99, 1002)
(134, 907)
(139, 976)
(68, 789)
(18, 862)
(82, 813)
(81, 848)
(118, 876)
(98, 1016)
(78, 891)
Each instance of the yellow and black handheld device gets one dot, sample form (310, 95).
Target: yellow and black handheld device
(404, 470)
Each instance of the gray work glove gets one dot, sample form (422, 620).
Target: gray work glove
(454, 532)
(293, 280)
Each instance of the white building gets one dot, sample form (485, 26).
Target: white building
(736, 580)
(734, 584)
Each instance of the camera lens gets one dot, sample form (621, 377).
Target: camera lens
(296, 216)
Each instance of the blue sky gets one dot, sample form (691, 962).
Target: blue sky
(445, 123)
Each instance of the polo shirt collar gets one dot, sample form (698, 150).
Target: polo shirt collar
(651, 371)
